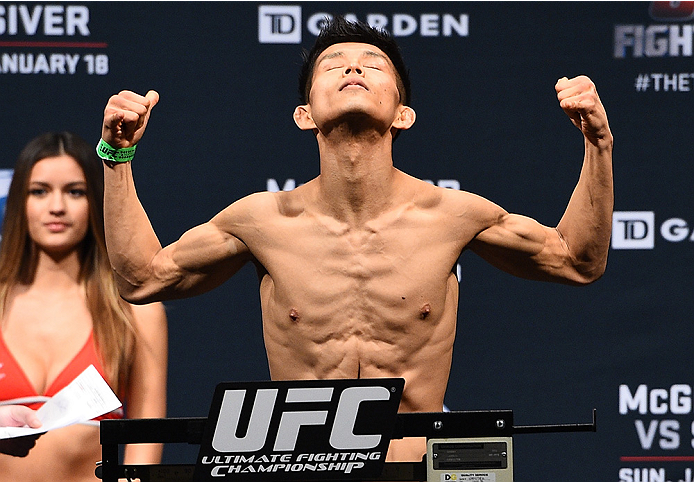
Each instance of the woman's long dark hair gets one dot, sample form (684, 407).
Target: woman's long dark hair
(111, 317)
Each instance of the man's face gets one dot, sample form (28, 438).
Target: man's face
(353, 79)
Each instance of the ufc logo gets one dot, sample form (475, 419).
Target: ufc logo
(342, 436)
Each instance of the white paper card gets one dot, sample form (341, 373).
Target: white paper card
(84, 398)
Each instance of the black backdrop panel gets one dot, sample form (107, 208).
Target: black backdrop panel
(488, 121)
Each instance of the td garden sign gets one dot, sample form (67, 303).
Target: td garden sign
(308, 430)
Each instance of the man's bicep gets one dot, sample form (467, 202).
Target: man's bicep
(513, 233)
(523, 247)
(206, 245)
(204, 257)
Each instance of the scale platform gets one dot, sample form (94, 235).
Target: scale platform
(322, 430)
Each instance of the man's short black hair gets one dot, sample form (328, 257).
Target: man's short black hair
(340, 30)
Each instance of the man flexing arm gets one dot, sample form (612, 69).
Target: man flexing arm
(355, 265)
(144, 270)
(574, 252)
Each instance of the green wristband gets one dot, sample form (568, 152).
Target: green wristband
(111, 154)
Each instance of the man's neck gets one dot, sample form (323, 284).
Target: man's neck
(357, 176)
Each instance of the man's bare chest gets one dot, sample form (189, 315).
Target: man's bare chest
(370, 270)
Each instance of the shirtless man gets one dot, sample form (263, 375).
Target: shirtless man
(356, 266)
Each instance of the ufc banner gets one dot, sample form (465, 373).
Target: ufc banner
(299, 430)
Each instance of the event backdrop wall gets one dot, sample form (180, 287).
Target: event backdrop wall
(488, 121)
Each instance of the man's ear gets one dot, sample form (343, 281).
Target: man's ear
(405, 118)
(303, 119)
